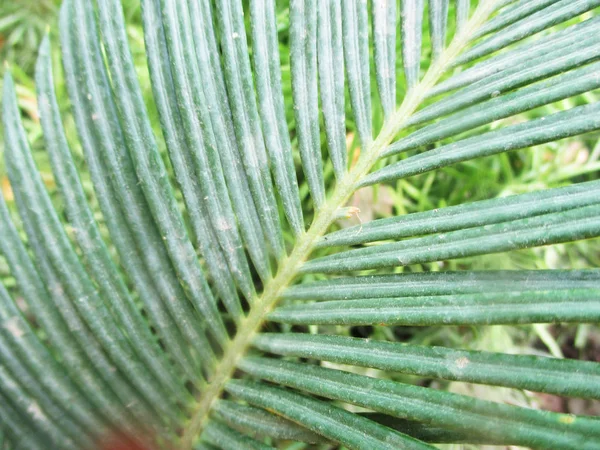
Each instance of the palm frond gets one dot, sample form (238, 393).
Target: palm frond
(174, 327)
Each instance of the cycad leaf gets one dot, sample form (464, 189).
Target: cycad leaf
(561, 377)
(109, 162)
(443, 283)
(514, 58)
(384, 40)
(94, 250)
(438, 23)
(510, 15)
(356, 55)
(258, 422)
(228, 439)
(525, 99)
(207, 238)
(558, 12)
(141, 143)
(578, 223)
(24, 388)
(578, 120)
(198, 83)
(335, 423)
(468, 215)
(78, 357)
(270, 99)
(41, 220)
(303, 59)
(412, 32)
(240, 90)
(28, 353)
(143, 330)
(18, 430)
(577, 305)
(462, 13)
(536, 428)
(331, 82)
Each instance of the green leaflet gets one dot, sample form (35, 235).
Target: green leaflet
(87, 234)
(443, 283)
(23, 351)
(468, 215)
(339, 425)
(536, 428)
(107, 158)
(64, 266)
(516, 57)
(510, 15)
(331, 82)
(56, 431)
(411, 25)
(240, 89)
(559, 12)
(217, 175)
(18, 428)
(511, 307)
(546, 229)
(578, 120)
(303, 60)
(260, 423)
(525, 99)
(561, 377)
(462, 13)
(142, 148)
(206, 237)
(356, 61)
(384, 40)
(224, 437)
(438, 23)
(270, 100)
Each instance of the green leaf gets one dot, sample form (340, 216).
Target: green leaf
(356, 60)
(558, 12)
(351, 430)
(260, 423)
(384, 37)
(138, 280)
(514, 58)
(64, 266)
(240, 89)
(438, 23)
(18, 428)
(303, 60)
(510, 15)
(331, 82)
(412, 35)
(87, 234)
(576, 305)
(271, 107)
(443, 283)
(224, 437)
(560, 377)
(578, 223)
(468, 215)
(578, 120)
(207, 237)
(141, 144)
(106, 154)
(538, 429)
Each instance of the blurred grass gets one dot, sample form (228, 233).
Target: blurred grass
(24, 22)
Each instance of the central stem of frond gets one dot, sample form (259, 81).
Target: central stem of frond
(289, 267)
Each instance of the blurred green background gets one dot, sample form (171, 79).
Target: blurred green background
(24, 22)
